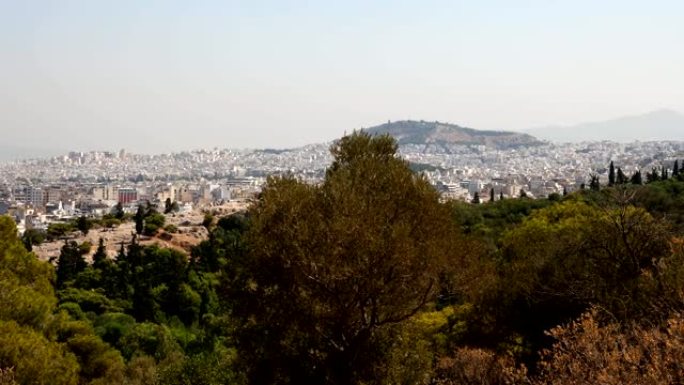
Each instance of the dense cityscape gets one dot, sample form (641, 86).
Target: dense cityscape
(39, 191)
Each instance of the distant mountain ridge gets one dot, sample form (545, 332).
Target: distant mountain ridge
(653, 126)
(445, 134)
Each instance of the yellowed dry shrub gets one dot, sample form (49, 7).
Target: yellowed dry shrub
(477, 366)
(589, 353)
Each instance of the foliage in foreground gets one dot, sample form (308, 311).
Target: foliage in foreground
(364, 279)
(342, 284)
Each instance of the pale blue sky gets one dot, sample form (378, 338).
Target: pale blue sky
(158, 75)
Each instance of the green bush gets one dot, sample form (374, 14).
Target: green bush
(153, 223)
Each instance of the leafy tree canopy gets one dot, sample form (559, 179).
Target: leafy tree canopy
(334, 267)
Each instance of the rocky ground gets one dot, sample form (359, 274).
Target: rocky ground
(190, 233)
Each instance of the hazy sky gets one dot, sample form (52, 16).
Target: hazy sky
(158, 75)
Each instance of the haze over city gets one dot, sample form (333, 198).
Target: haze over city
(168, 75)
(286, 192)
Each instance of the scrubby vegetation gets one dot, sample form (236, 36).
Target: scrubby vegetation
(364, 279)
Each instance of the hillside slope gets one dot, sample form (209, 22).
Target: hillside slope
(422, 132)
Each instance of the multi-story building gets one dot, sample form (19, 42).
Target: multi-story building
(127, 195)
(105, 193)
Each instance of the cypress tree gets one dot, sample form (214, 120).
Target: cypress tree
(652, 176)
(501, 197)
(140, 220)
(595, 184)
(636, 178)
(121, 286)
(70, 263)
(122, 253)
(611, 175)
(491, 195)
(664, 174)
(621, 177)
(119, 211)
(675, 168)
(100, 255)
(134, 257)
(108, 273)
(476, 198)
